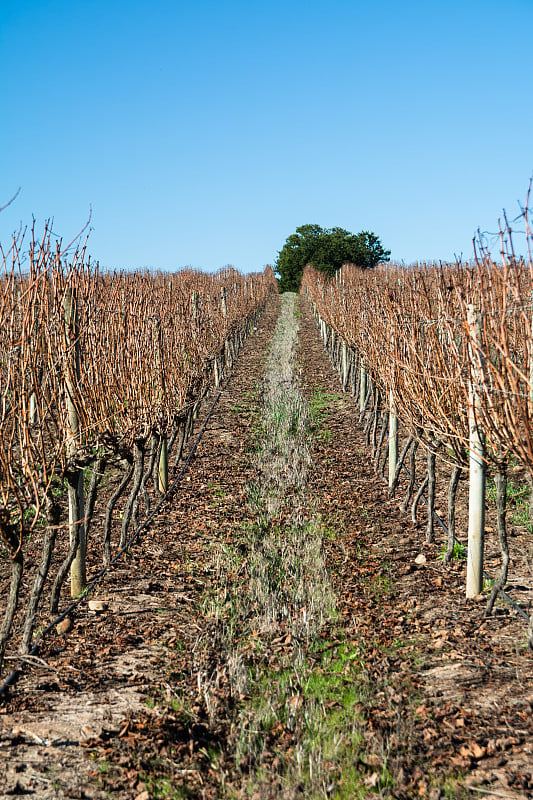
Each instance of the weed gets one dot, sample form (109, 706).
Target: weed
(318, 405)
(324, 435)
(518, 502)
(380, 586)
(323, 705)
(459, 551)
(161, 787)
(521, 516)
(58, 486)
(452, 789)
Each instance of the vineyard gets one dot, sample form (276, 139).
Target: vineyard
(444, 357)
(101, 375)
(214, 575)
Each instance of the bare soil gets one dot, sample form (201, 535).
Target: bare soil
(117, 705)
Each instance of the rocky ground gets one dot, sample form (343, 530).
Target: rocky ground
(275, 634)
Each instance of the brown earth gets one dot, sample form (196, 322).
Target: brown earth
(133, 702)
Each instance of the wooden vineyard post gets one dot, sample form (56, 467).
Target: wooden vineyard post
(362, 386)
(33, 409)
(78, 575)
(476, 498)
(393, 438)
(163, 465)
(344, 356)
(322, 329)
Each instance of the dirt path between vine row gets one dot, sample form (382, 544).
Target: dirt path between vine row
(147, 699)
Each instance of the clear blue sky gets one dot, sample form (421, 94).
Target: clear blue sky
(203, 133)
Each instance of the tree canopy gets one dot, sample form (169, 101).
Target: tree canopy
(326, 249)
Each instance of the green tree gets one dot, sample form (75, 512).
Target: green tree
(326, 249)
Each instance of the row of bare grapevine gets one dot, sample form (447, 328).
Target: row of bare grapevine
(445, 349)
(100, 374)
